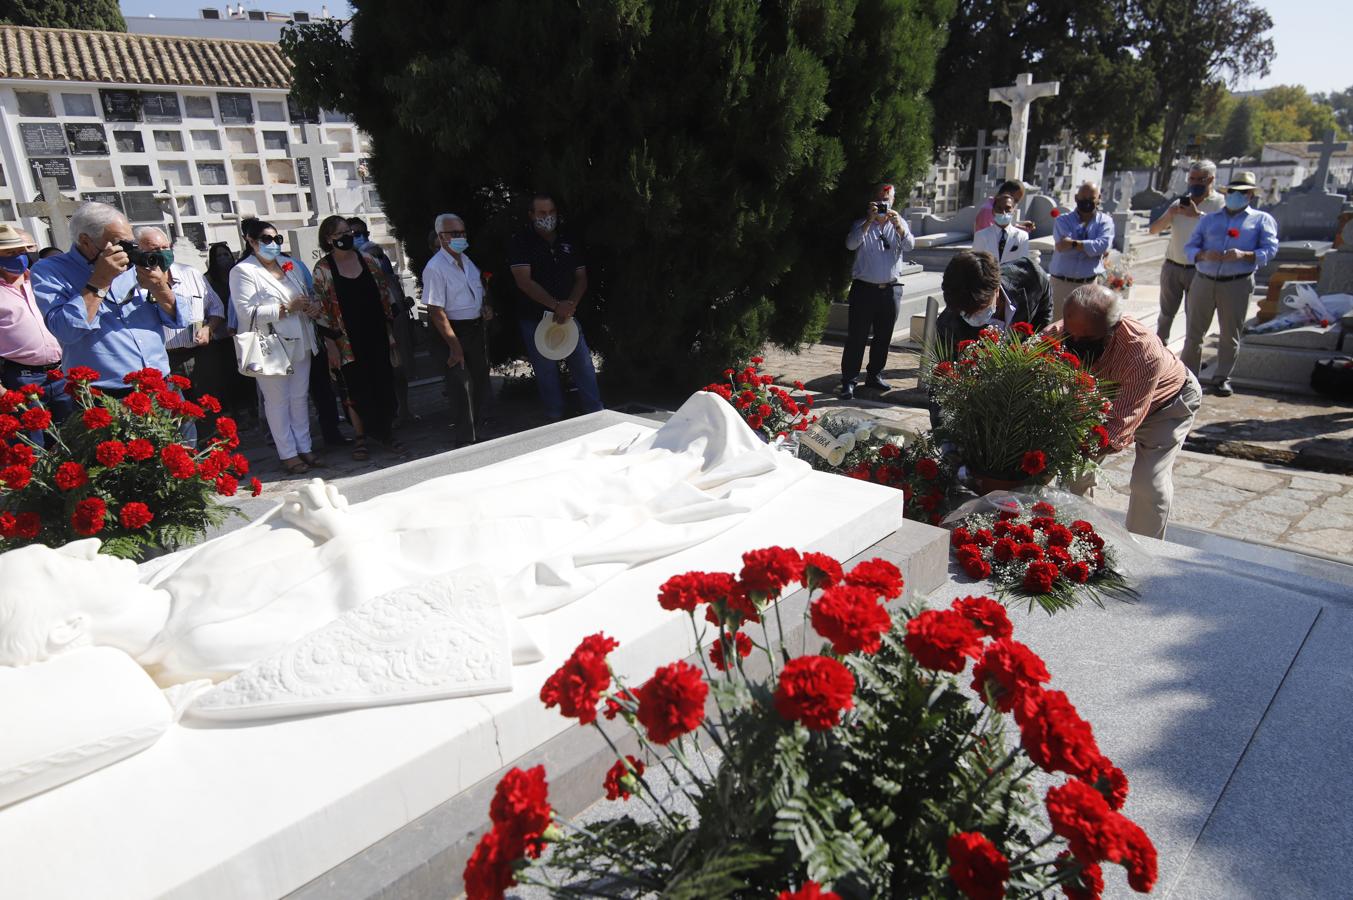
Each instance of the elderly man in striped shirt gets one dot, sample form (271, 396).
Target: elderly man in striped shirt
(1156, 398)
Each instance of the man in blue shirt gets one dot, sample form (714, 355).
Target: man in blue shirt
(106, 316)
(875, 291)
(1226, 248)
(1080, 241)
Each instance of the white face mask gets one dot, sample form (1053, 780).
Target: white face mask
(1003, 219)
(546, 223)
(978, 319)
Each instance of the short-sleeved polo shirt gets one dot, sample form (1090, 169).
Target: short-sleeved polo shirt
(553, 266)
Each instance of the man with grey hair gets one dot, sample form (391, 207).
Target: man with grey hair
(453, 291)
(1176, 273)
(1155, 401)
(113, 330)
(1081, 240)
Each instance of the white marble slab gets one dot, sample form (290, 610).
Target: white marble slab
(255, 812)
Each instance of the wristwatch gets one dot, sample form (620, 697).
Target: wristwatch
(101, 293)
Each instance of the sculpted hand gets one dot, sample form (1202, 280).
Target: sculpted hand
(317, 508)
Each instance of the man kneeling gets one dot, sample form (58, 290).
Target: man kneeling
(1156, 399)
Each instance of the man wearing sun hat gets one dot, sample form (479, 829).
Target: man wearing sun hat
(1227, 247)
(28, 351)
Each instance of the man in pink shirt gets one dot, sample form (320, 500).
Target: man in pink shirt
(985, 216)
(28, 351)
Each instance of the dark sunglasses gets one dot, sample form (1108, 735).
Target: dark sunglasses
(270, 239)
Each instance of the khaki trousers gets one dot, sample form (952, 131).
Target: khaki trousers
(1174, 285)
(1230, 301)
(1158, 441)
(1060, 291)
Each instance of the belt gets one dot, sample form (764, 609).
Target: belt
(32, 370)
(1225, 277)
(1076, 280)
(875, 284)
(1180, 265)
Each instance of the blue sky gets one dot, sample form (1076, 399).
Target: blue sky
(1310, 35)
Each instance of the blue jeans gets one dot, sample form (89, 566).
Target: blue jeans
(547, 373)
(53, 394)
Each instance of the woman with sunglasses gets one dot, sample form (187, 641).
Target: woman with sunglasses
(268, 289)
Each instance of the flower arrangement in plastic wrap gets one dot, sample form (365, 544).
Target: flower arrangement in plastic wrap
(768, 409)
(1117, 274)
(867, 767)
(1028, 547)
(115, 469)
(1019, 409)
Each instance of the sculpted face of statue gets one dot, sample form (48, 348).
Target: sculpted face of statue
(53, 600)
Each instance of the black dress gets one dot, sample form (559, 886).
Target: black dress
(369, 378)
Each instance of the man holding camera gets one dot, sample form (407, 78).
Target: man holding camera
(106, 301)
(875, 291)
(1183, 215)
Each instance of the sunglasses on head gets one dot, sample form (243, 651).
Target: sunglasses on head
(270, 239)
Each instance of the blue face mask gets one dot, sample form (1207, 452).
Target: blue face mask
(460, 245)
(14, 265)
(1237, 200)
(1003, 219)
(1197, 190)
(269, 251)
(360, 242)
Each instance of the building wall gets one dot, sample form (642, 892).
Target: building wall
(224, 166)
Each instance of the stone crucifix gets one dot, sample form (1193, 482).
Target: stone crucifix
(1019, 97)
(314, 152)
(56, 208)
(1327, 149)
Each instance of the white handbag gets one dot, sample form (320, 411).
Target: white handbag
(263, 353)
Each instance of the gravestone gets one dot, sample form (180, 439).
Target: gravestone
(1039, 211)
(935, 231)
(1307, 217)
(310, 157)
(303, 245)
(87, 139)
(1148, 199)
(1336, 269)
(185, 249)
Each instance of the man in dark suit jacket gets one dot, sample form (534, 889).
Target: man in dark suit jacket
(978, 293)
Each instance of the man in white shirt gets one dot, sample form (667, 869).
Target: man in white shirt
(453, 291)
(1176, 273)
(1004, 240)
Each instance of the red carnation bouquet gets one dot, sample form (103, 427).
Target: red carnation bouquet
(1017, 408)
(768, 409)
(116, 469)
(870, 763)
(1037, 552)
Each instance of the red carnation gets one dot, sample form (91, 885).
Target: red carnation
(890, 451)
(226, 485)
(621, 778)
(975, 567)
(135, 515)
(1097, 834)
(110, 453)
(140, 449)
(288, 266)
(766, 572)
(851, 618)
(814, 691)
(672, 702)
(879, 576)
(240, 464)
(811, 890)
(1039, 577)
(1076, 572)
(741, 644)
(976, 866)
(1029, 552)
(1059, 535)
(1023, 329)
(137, 403)
(1101, 436)
(622, 704)
(820, 570)
(986, 615)
(520, 811)
(179, 382)
(755, 421)
(960, 536)
(1233, 232)
(1043, 508)
(1005, 549)
(178, 461)
(1055, 212)
(940, 639)
(1089, 883)
(16, 477)
(36, 419)
(1054, 735)
(687, 591)
(191, 410)
(17, 455)
(945, 369)
(927, 468)
(1033, 462)
(577, 685)
(1111, 782)
(1012, 674)
(9, 426)
(96, 417)
(88, 516)
(24, 525)
(255, 487)
(82, 373)
(757, 360)
(209, 403)
(70, 475)
(488, 872)
(10, 400)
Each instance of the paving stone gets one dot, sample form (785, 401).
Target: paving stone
(1327, 540)
(1324, 518)
(1279, 504)
(1341, 504)
(1319, 485)
(1187, 511)
(1245, 478)
(1251, 523)
(1187, 468)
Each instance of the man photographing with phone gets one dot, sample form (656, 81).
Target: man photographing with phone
(1182, 216)
(875, 289)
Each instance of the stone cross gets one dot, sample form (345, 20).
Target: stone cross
(315, 153)
(1019, 97)
(167, 196)
(1326, 151)
(55, 208)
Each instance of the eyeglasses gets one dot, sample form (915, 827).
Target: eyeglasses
(270, 239)
(452, 234)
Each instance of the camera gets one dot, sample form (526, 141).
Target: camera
(882, 207)
(150, 259)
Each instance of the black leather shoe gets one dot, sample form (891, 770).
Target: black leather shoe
(1223, 388)
(847, 392)
(877, 384)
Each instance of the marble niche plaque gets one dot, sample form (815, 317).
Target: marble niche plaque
(87, 139)
(43, 139)
(141, 206)
(160, 106)
(121, 106)
(60, 169)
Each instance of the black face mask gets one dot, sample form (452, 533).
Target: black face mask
(343, 242)
(1085, 204)
(1087, 350)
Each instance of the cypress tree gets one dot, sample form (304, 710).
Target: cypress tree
(709, 155)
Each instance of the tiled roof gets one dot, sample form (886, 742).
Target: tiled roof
(110, 57)
(1298, 148)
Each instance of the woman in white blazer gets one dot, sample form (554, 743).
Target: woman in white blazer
(268, 290)
(1004, 240)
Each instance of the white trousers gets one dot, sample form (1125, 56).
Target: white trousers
(1158, 441)
(286, 403)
